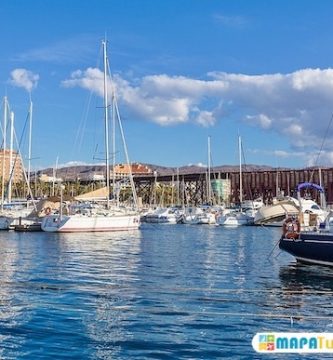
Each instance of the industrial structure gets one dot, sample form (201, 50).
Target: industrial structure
(225, 185)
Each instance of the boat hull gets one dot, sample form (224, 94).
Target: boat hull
(310, 247)
(275, 213)
(53, 223)
(234, 219)
(28, 227)
(161, 219)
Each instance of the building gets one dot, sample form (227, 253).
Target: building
(96, 177)
(123, 170)
(49, 179)
(10, 160)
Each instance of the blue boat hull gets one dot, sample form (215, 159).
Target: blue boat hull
(310, 247)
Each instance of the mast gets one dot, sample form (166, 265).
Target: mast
(106, 125)
(178, 187)
(322, 193)
(30, 134)
(5, 101)
(55, 168)
(11, 165)
(115, 117)
(240, 171)
(277, 190)
(209, 195)
(114, 142)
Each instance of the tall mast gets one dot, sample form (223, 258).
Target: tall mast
(106, 125)
(209, 195)
(55, 168)
(5, 106)
(322, 193)
(11, 165)
(240, 171)
(114, 142)
(30, 134)
(178, 187)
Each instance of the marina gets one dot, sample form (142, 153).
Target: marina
(164, 291)
(210, 235)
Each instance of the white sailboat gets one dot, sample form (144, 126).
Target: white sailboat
(17, 212)
(198, 216)
(163, 215)
(204, 215)
(91, 218)
(236, 217)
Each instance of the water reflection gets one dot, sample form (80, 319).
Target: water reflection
(9, 310)
(173, 292)
(104, 269)
(306, 292)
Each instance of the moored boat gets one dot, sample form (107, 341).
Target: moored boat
(34, 225)
(234, 219)
(166, 215)
(198, 216)
(308, 238)
(276, 212)
(308, 241)
(281, 208)
(111, 217)
(102, 221)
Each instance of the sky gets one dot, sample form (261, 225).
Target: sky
(183, 71)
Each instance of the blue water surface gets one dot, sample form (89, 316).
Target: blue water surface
(162, 292)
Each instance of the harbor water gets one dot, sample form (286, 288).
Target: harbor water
(162, 292)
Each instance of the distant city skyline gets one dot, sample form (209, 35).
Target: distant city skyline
(184, 70)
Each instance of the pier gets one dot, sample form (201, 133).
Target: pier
(192, 188)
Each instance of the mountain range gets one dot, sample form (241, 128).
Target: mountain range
(85, 172)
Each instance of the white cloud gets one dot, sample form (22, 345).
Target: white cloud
(205, 118)
(294, 129)
(298, 106)
(90, 79)
(310, 79)
(24, 78)
(261, 119)
(281, 153)
(76, 163)
(320, 159)
(199, 164)
(278, 153)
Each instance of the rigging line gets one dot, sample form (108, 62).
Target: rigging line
(24, 173)
(245, 168)
(322, 146)
(275, 246)
(78, 141)
(19, 144)
(79, 137)
(213, 195)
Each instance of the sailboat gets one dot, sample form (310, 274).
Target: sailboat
(236, 217)
(308, 236)
(19, 212)
(203, 215)
(89, 217)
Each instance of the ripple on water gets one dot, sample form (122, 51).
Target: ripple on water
(165, 292)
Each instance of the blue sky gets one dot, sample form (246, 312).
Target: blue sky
(183, 69)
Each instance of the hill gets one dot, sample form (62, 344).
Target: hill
(85, 172)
